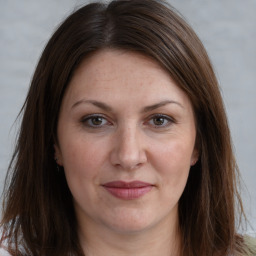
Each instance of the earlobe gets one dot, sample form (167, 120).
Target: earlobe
(194, 157)
(57, 155)
(193, 162)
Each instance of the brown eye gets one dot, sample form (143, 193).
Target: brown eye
(94, 121)
(160, 121)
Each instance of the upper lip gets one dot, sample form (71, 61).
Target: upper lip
(124, 184)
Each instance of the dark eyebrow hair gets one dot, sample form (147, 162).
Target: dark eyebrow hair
(160, 104)
(108, 108)
(95, 103)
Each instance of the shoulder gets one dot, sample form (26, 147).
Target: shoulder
(7, 244)
(3, 246)
(3, 252)
(251, 245)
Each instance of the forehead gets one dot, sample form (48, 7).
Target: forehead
(111, 64)
(114, 73)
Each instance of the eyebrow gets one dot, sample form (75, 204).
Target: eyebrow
(106, 107)
(95, 103)
(160, 104)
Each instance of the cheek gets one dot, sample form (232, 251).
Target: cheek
(81, 159)
(81, 164)
(176, 153)
(172, 162)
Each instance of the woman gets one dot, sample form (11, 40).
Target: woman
(124, 147)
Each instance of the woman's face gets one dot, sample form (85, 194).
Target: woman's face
(126, 140)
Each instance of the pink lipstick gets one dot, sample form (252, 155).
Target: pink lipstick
(128, 190)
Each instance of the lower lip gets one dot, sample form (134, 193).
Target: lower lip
(128, 193)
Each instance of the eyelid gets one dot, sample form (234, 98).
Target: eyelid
(86, 118)
(170, 120)
(162, 115)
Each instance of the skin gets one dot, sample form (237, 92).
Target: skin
(127, 141)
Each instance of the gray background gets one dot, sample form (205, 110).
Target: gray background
(226, 27)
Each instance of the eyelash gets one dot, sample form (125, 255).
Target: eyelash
(165, 118)
(87, 121)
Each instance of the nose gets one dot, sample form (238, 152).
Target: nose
(128, 151)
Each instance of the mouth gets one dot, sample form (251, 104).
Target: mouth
(128, 190)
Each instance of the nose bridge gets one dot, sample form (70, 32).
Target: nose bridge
(128, 143)
(128, 151)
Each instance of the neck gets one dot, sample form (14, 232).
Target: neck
(161, 240)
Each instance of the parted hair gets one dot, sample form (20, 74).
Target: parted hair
(38, 214)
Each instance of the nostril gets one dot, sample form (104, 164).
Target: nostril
(128, 151)
(128, 160)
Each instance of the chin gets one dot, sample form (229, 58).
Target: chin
(131, 223)
(130, 228)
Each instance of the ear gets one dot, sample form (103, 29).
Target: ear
(57, 155)
(194, 157)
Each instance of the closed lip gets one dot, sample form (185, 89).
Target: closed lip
(128, 190)
(124, 184)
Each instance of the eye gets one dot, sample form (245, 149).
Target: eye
(95, 121)
(160, 121)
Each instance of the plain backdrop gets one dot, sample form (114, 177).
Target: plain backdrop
(226, 27)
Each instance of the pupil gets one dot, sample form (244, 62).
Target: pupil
(159, 121)
(97, 120)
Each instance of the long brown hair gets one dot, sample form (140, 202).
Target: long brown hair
(38, 211)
